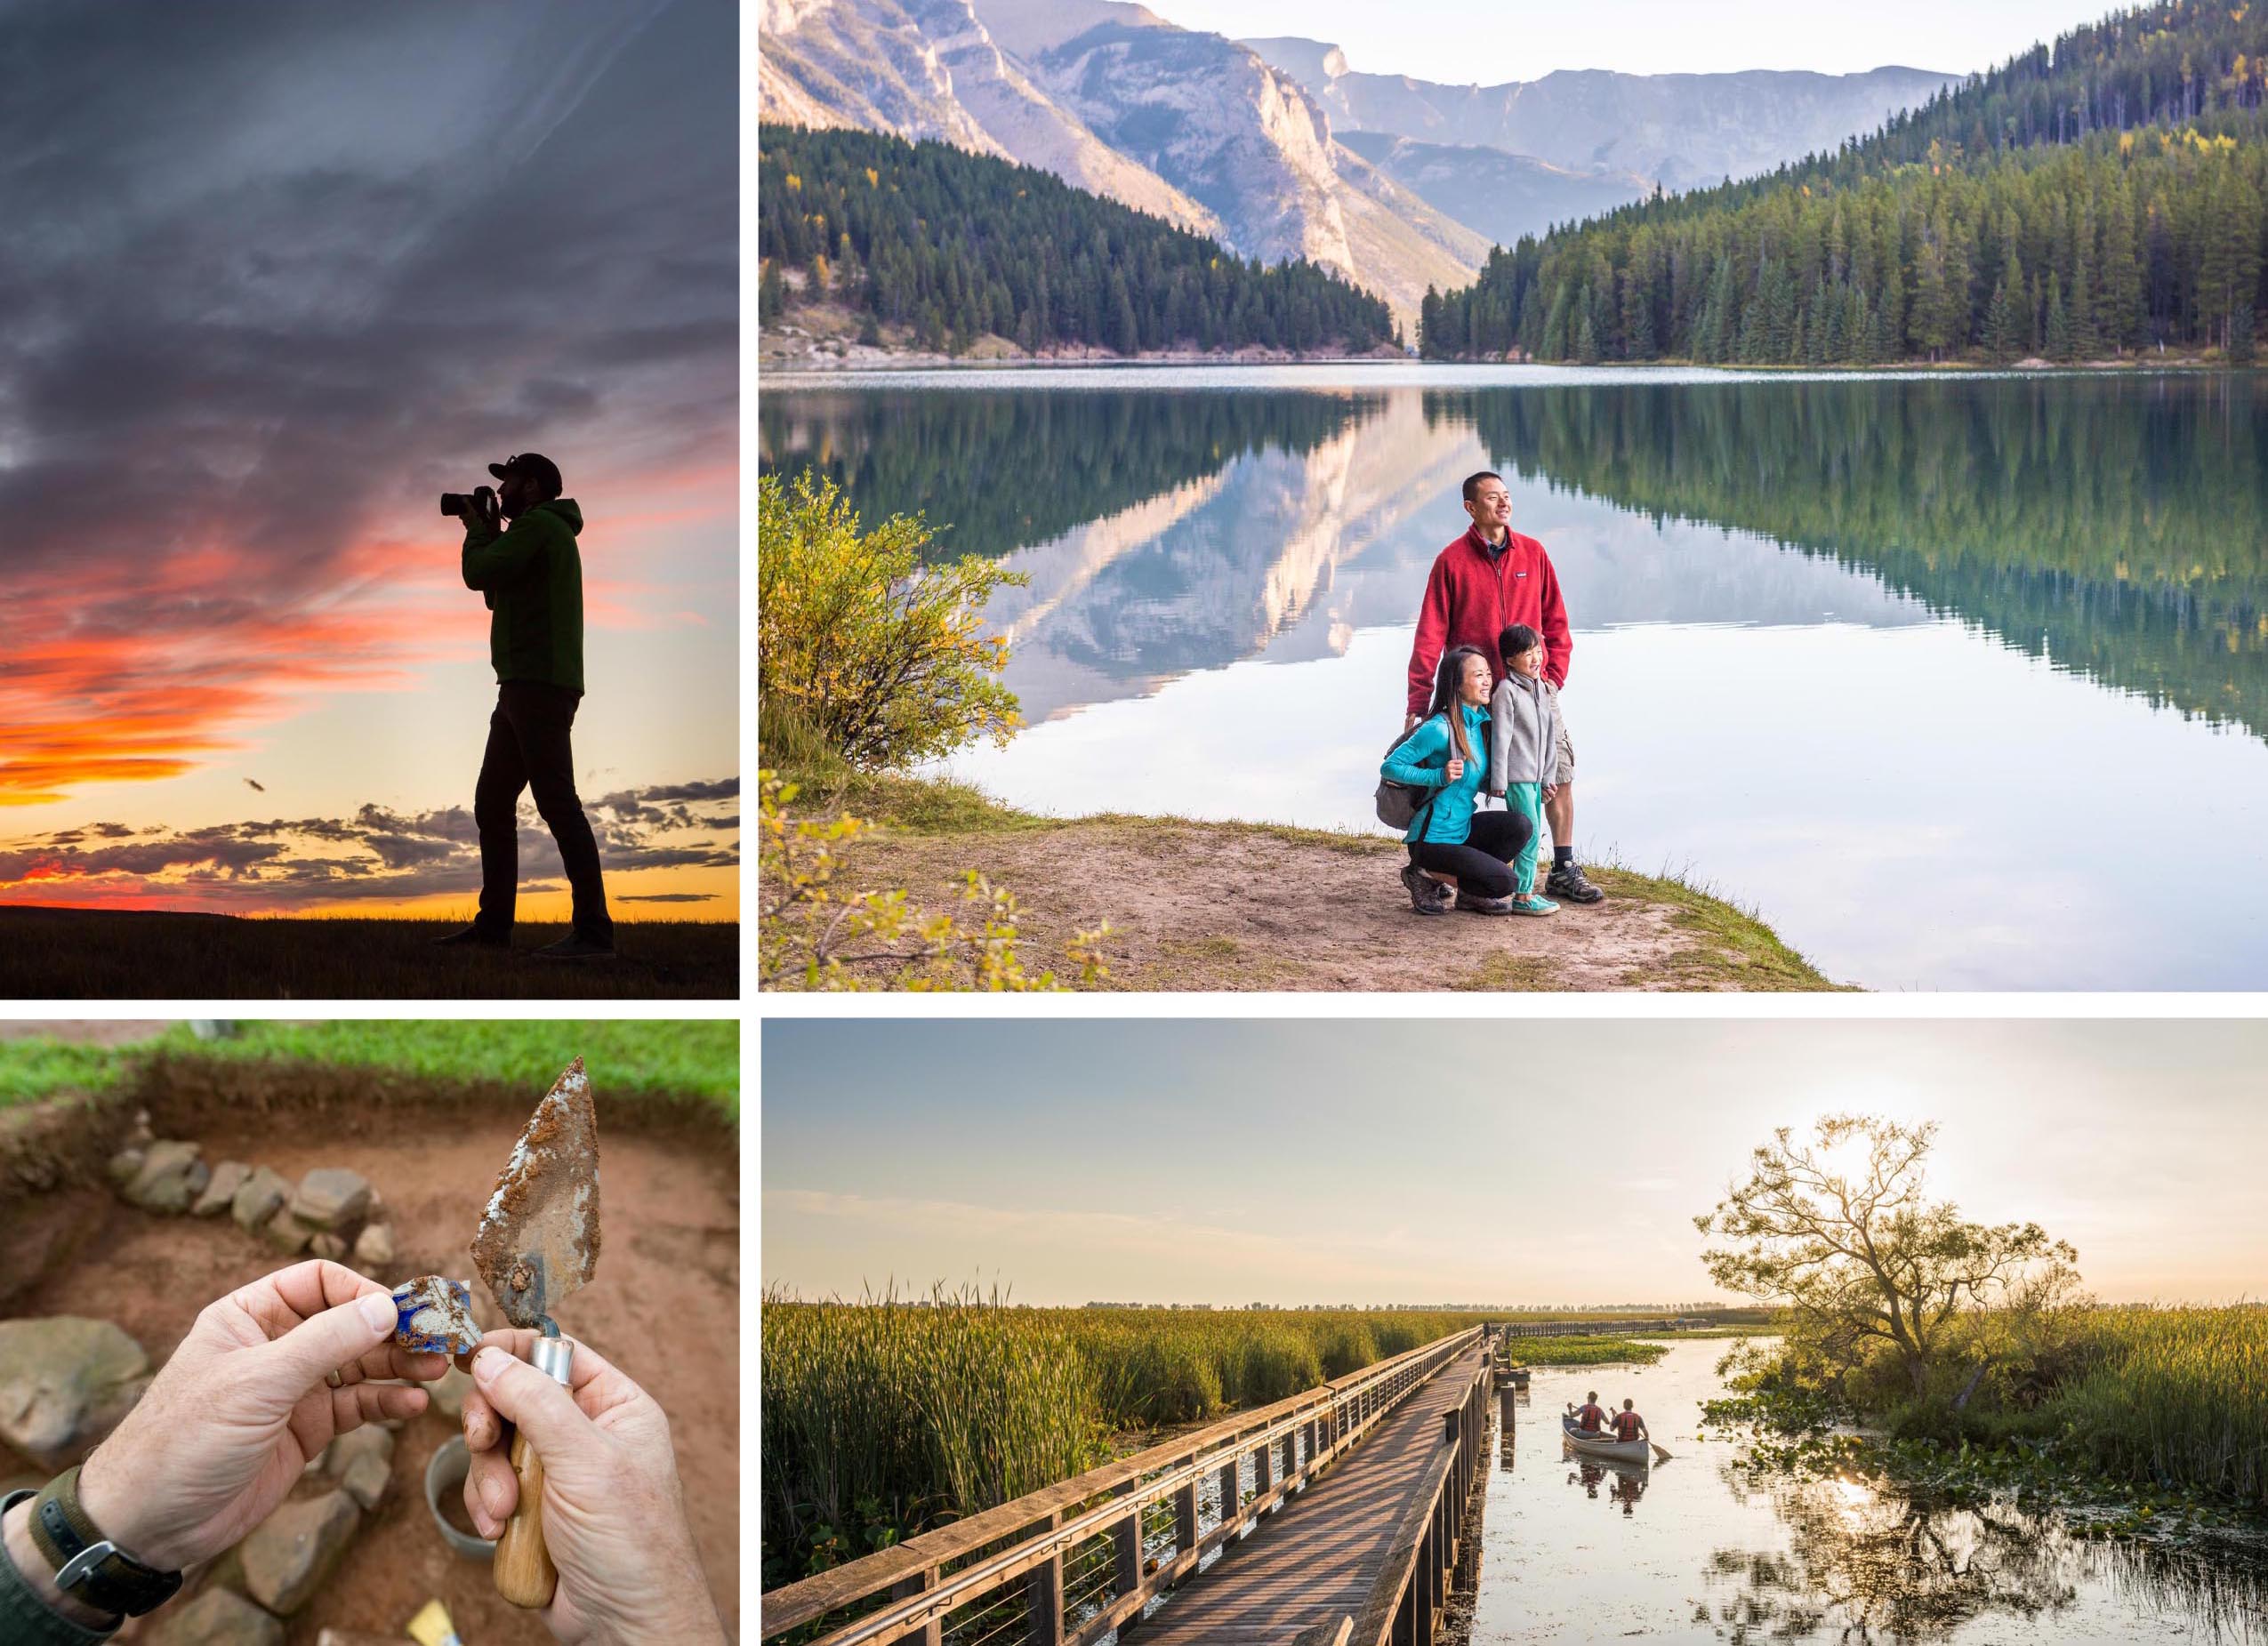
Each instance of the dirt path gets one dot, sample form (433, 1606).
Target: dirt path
(1229, 906)
(664, 1307)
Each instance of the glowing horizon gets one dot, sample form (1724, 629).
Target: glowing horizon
(1328, 1161)
(243, 673)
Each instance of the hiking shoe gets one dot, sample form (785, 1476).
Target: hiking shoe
(473, 937)
(1567, 883)
(1530, 903)
(1484, 906)
(1427, 895)
(576, 948)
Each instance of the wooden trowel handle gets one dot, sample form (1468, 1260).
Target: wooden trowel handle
(524, 1575)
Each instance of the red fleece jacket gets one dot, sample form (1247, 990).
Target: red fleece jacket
(1471, 599)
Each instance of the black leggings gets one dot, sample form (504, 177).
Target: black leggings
(1480, 861)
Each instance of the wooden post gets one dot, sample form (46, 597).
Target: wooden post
(932, 1632)
(1185, 1519)
(1228, 1492)
(1043, 1591)
(1126, 1544)
(1263, 1468)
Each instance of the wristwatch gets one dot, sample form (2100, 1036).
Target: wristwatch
(88, 1566)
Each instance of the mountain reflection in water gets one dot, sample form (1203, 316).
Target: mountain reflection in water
(1832, 634)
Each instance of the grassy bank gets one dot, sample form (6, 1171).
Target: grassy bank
(1676, 935)
(2170, 1404)
(630, 1059)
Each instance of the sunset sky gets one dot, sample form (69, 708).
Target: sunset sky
(1518, 1162)
(276, 275)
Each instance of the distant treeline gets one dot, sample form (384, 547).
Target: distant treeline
(968, 461)
(2118, 525)
(2102, 198)
(955, 246)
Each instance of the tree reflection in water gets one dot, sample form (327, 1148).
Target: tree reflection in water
(1865, 1564)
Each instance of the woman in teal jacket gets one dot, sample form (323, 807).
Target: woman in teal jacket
(1448, 753)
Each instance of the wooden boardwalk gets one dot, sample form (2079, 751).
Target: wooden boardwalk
(1315, 1560)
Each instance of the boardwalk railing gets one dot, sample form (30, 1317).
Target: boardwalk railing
(1065, 1565)
(1405, 1603)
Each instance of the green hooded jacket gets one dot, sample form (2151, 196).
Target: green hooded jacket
(532, 578)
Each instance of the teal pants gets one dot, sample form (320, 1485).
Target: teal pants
(1527, 799)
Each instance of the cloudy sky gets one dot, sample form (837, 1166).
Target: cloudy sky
(1513, 1163)
(275, 276)
(1489, 42)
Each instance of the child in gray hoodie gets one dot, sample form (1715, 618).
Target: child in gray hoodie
(1524, 752)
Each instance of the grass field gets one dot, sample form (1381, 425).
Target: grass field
(665, 1059)
(881, 1419)
(71, 954)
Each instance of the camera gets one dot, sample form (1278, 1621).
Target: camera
(458, 502)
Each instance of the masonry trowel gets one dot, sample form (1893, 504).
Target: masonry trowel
(537, 1244)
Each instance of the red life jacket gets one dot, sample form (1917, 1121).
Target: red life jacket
(1627, 1424)
(1589, 1419)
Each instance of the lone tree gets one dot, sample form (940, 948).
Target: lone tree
(1838, 1231)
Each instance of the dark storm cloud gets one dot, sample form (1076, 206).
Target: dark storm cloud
(290, 861)
(274, 274)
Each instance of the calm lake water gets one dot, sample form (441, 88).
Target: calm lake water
(1962, 684)
(1696, 1550)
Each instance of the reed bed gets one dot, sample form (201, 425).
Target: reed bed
(888, 1415)
(2178, 1395)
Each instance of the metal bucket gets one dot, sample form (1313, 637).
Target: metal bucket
(445, 1473)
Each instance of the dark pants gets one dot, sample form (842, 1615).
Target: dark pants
(528, 749)
(1479, 863)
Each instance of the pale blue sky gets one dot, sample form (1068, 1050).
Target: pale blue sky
(1288, 1161)
(1461, 41)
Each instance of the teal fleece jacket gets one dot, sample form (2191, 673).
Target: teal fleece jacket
(531, 575)
(1420, 760)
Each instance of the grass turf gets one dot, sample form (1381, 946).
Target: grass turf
(657, 1058)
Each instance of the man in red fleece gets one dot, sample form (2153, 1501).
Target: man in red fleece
(1482, 584)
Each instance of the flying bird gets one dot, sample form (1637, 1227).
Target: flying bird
(250, 784)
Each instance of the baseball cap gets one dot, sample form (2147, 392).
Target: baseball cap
(537, 468)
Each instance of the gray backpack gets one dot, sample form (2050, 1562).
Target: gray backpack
(1399, 803)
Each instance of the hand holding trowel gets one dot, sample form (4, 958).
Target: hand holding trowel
(537, 1244)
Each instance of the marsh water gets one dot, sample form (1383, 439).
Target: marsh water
(1959, 682)
(1698, 1549)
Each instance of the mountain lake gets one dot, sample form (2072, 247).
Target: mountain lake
(1960, 680)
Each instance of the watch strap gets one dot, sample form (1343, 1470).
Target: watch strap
(88, 1566)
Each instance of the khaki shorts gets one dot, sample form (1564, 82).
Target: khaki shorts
(1566, 748)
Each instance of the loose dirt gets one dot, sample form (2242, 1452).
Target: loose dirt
(1206, 906)
(664, 1307)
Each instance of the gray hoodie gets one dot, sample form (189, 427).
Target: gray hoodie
(1523, 733)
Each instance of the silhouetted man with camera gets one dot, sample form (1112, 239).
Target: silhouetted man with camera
(531, 577)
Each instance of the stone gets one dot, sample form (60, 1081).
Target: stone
(364, 1462)
(374, 1247)
(447, 1395)
(124, 1166)
(331, 1196)
(287, 1556)
(142, 1136)
(227, 1178)
(330, 1245)
(261, 1197)
(65, 1381)
(286, 1233)
(217, 1617)
(171, 1177)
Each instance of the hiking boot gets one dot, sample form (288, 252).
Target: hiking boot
(1567, 884)
(1427, 895)
(474, 937)
(1530, 903)
(1484, 906)
(576, 947)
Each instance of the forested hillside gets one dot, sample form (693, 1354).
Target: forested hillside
(949, 246)
(2094, 199)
